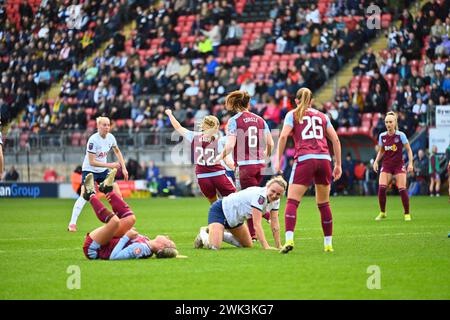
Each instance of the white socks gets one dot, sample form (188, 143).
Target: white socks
(327, 241)
(205, 237)
(289, 236)
(229, 238)
(77, 207)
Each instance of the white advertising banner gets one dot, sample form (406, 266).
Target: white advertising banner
(439, 137)
(442, 116)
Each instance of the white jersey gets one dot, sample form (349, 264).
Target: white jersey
(237, 207)
(1, 141)
(100, 147)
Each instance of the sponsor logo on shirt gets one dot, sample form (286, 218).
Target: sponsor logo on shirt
(137, 251)
(91, 146)
(390, 148)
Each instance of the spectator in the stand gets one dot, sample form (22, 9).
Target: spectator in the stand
(234, 34)
(420, 174)
(366, 63)
(11, 174)
(404, 70)
(50, 175)
(376, 101)
(152, 172)
(360, 173)
(348, 170)
(370, 180)
(420, 112)
(434, 171)
(75, 179)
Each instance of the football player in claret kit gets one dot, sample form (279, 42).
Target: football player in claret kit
(95, 162)
(232, 211)
(250, 141)
(391, 144)
(310, 129)
(211, 177)
(117, 239)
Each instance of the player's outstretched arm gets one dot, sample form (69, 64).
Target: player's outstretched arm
(175, 124)
(269, 145)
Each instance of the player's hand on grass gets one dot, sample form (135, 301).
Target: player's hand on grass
(131, 234)
(337, 173)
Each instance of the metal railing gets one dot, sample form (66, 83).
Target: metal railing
(17, 142)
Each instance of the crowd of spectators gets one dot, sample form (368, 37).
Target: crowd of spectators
(191, 77)
(47, 44)
(411, 76)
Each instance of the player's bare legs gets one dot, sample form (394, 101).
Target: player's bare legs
(401, 184)
(215, 236)
(242, 235)
(104, 234)
(295, 195)
(323, 204)
(383, 182)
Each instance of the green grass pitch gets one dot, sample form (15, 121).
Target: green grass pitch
(413, 257)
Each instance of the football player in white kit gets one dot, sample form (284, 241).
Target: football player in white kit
(95, 161)
(233, 210)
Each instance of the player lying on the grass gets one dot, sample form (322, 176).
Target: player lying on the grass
(117, 239)
(212, 178)
(311, 129)
(232, 211)
(95, 162)
(391, 144)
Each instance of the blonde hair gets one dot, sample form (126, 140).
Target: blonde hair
(209, 122)
(392, 113)
(304, 96)
(238, 100)
(99, 119)
(278, 179)
(167, 252)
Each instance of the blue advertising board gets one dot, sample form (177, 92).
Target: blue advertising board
(28, 190)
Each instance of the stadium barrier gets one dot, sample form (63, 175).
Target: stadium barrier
(29, 190)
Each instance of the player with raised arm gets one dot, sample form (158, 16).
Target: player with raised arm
(211, 177)
(391, 144)
(232, 211)
(249, 138)
(311, 129)
(95, 162)
(117, 239)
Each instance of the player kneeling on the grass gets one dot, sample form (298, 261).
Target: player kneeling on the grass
(232, 211)
(117, 239)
